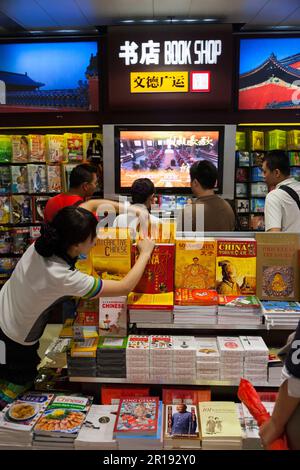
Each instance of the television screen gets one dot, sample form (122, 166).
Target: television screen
(165, 154)
(49, 76)
(269, 73)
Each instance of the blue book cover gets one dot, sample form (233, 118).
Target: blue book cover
(277, 306)
(257, 205)
(257, 174)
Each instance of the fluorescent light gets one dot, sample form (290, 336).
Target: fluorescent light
(209, 19)
(127, 21)
(190, 20)
(149, 21)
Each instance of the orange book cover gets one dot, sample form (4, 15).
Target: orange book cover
(196, 297)
(137, 301)
(236, 266)
(195, 264)
(158, 277)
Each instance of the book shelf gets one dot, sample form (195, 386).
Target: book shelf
(252, 142)
(35, 164)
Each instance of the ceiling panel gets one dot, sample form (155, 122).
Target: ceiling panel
(243, 10)
(274, 12)
(293, 18)
(97, 12)
(27, 13)
(177, 8)
(64, 12)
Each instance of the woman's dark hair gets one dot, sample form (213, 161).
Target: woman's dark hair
(141, 189)
(70, 226)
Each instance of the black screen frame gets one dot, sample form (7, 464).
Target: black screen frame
(163, 190)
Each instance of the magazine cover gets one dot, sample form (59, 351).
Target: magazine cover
(259, 189)
(55, 148)
(5, 148)
(39, 207)
(4, 210)
(294, 158)
(257, 204)
(73, 147)
(21, 211)
(243, 158)
(241, 189)
(257, 222)
(242, 205)
(257, 174)
(5, 180)
(66, 171)
(243, 221)
(256, 158)
(242, 175)
(20, 148)
(37, 178)
(37, 148)
(19, 179)
(20, 239)
(5, 238)
(137, 416)
(54, 178)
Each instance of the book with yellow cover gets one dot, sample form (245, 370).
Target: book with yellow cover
(219, 420)
(240, 141)
(111, 256)
(257, 140)
(277, 139)
(137, 301)
(278, 266)
(195, 264)
(87, 348)
(73, 147)
(236, 266)
(67, 329)
(293, 139)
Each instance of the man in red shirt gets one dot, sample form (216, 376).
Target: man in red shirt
(83, 183)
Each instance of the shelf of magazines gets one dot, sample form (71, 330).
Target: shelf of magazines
(179, 326)
(212, 383)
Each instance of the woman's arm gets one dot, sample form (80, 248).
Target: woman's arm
(284, 408)
(128, 283)
(93, 205)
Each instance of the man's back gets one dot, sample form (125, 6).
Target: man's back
(218, 215)
(56, 203)
(281, 211)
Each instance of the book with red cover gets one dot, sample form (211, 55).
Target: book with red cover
(137, 416)
(205, 297)
(112, 394)
(158, 277)
(175, 396)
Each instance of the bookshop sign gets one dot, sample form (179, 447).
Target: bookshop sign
(174, 66)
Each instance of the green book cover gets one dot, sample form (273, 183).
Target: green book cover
(5, 148)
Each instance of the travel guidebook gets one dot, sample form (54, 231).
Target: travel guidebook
(137, 416)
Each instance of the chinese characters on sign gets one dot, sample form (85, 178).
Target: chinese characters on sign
(149, 82)
(197, 52)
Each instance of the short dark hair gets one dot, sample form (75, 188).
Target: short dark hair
(278, 160)
(205, 173)
(82, 174)
(71, 225)
(141, 189)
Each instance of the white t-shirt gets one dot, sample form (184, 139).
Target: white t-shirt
(131, 221)
(293, 383)
(281, 211)
(36, 284)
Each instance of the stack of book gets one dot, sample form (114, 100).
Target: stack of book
(281, 313)
(234, 309)
(220, 426)
(161, 357)
(232, 358)
(153, 297)
(81, 358)
(111, 357)
(255, 359)
(19, 418)
(61, 422)
(138, 358)
(250, 428)
(207, 359)
(275, 366)
(139, 424)
(97, 430)
(184, 358)
(195, 306)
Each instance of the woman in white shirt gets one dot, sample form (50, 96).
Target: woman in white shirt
(44, 276)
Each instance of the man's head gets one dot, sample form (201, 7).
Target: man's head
(195, 259)
(228, 269)
(203, 175)
(142, 192)
(83, 180)
(276, 167)
(181, 408)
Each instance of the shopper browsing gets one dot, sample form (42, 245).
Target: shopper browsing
(282, 206)
(46, 273)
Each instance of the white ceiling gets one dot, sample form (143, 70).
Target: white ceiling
(87, 14)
